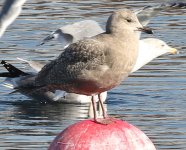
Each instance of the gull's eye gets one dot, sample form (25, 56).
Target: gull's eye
(162, 45)
(129, 20)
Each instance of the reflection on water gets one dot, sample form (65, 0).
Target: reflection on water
(152, 99)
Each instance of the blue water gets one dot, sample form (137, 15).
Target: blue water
(153, 98)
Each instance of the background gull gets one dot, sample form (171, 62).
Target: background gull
(151, 47)
(75, 32)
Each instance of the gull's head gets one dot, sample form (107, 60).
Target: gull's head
(150, 49)
(60, 35)
(64, 38)
(160, 46)
(124, 19)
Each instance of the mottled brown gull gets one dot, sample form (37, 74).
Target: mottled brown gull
(96, 64)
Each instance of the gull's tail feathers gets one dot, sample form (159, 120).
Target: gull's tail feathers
(12, 71)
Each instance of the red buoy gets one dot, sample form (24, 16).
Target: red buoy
(88, 135)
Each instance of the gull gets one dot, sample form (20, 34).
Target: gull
(149, 49)
(72, 33)
(96, 64)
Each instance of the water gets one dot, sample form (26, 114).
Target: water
(153, 99)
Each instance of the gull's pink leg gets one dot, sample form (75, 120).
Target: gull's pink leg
(105, 120)
(102, 106)
(94, 108)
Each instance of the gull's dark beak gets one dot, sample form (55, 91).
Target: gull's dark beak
(48, 38)
(146, 30)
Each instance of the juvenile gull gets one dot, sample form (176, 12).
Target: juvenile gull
(151, 48)
(96, 64)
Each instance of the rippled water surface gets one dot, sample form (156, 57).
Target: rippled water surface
(152, 99)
